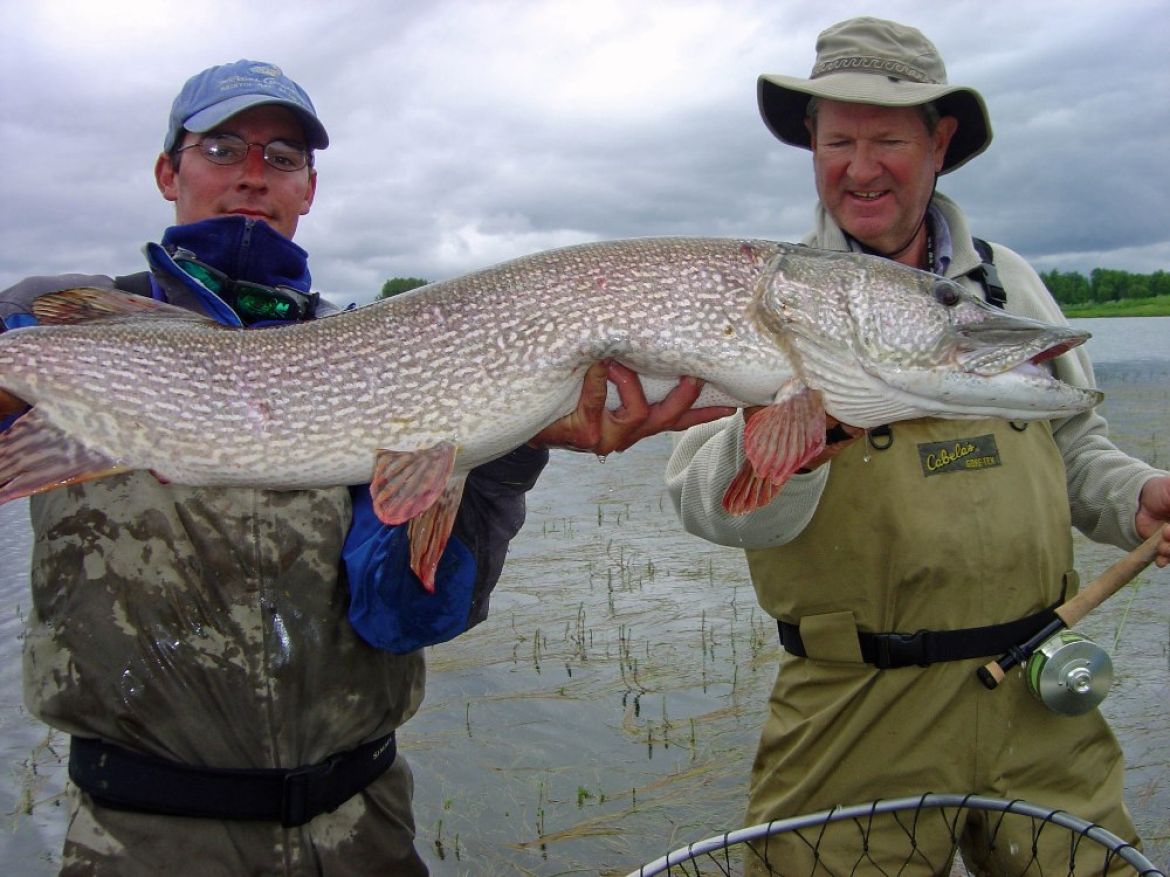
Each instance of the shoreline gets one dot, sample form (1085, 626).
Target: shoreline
(1139, 307)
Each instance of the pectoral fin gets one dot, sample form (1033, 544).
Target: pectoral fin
(35, 456)
(748, 491)
(407, 483)
(784, 436)
(778, 440)
(430, 531)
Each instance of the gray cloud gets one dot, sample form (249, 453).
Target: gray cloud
(465, 133)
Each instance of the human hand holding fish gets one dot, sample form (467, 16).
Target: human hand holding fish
(411, 393)
(594, 428)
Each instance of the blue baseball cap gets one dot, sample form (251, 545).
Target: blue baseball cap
(218, 93)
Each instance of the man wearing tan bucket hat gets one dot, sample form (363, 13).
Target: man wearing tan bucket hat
(894, 578)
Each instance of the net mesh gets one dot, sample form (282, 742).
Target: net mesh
(948, 835)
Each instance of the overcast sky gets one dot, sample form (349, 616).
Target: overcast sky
(465, 133)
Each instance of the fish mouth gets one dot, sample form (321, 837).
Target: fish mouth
(994, 370)
(998, 345)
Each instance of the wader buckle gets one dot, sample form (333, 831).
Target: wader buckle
(902, 649)
(294, 794)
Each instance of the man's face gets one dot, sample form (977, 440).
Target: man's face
(203, 190)
(875, 168)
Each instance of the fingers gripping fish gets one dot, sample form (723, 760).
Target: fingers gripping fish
(412, 392)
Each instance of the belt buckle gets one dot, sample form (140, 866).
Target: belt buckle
(294, 797)
(903, 649)
(297, 801)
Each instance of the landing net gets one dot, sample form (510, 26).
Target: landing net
(930, 828)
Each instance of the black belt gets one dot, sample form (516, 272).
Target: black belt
(124, 780)
(888, 651)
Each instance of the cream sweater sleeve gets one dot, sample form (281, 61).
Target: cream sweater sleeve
(705, 460)
(1103, 482)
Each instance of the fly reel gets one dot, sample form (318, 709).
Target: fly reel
(1070, 673)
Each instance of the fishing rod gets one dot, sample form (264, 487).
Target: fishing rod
(1068, 614)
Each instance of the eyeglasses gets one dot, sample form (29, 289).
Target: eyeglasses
(254, 302)
(228, 149)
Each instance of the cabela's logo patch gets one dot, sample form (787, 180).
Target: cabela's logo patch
(959, 455)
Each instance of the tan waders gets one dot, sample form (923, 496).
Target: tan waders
(929, 526)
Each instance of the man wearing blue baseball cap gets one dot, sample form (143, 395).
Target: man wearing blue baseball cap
(231, 664)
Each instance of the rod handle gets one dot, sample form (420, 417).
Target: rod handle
(1116, 577)
(1070, 612)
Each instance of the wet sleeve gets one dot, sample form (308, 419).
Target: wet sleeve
(491, 514)
(389, 607)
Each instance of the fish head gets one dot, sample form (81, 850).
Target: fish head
(885, 342)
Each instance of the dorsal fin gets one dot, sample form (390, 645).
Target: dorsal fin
(36, 456)
(86, 303)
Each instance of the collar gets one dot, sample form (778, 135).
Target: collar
(174, 285)
(243, 249)
(940, 246)
(944, 245)
(240, 247)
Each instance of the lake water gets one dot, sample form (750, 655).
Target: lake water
(1127, 340)
(608, 710)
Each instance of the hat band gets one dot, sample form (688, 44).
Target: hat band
(869, 64)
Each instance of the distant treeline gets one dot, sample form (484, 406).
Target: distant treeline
(396, 285)
(1104, 285)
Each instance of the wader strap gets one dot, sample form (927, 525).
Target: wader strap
(124, 780)
(138, 283)
(888, 651)
(987, 276)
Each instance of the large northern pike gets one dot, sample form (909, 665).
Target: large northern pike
(411, 392)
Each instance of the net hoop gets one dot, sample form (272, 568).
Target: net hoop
(1110, 842)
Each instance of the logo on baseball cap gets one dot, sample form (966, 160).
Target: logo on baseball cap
(218, 93)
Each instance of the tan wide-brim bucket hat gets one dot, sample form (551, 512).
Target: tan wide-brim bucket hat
(873, 61)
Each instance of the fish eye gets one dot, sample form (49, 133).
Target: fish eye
(946, 293)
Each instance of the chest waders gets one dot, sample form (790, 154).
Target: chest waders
(933, 541)
(170, 613)
(932, 545)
